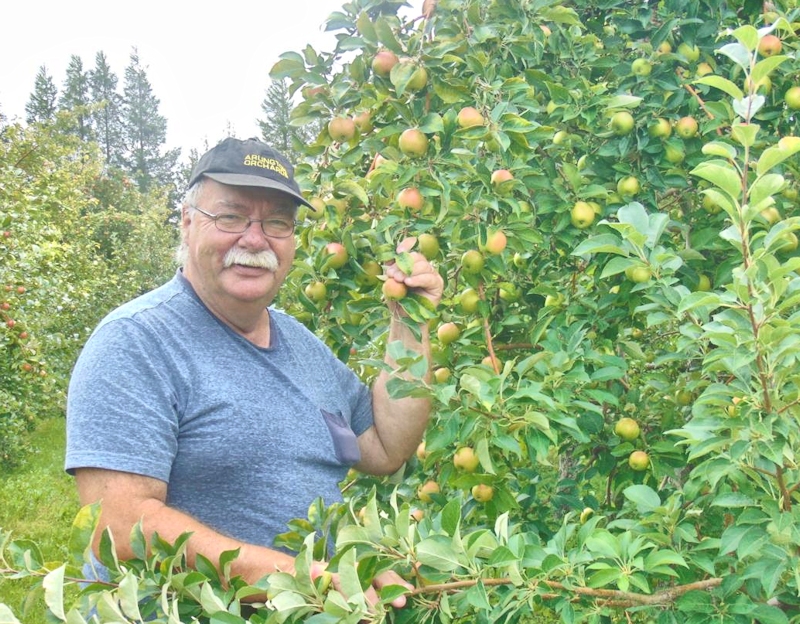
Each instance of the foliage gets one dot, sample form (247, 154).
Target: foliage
(276, 128)
(65, 263)
(75, 97)
(144, 131)
(672, 302)
(39, 501)
(107, 114)
(41, 105)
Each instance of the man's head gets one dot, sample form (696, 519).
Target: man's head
(237, 224)
(250, 162)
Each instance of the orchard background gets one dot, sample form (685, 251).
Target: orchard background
(609, 191)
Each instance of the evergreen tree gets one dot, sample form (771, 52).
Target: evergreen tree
(145, 131)
(276, 129)
(75, 98)
(106, 120)
(42, 104)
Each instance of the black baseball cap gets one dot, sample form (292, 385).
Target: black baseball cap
(249, 162)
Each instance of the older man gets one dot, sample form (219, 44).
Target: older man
(198, 407)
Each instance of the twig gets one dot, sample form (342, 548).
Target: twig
(611, 597)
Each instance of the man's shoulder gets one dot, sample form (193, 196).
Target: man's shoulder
(152, 304)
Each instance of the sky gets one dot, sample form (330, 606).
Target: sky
(207, 63)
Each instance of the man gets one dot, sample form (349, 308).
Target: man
(197, 407)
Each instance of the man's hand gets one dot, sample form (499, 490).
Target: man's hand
(318, 569)
(423, 279)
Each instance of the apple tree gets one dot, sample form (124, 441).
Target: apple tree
(610, 191)
(75, 241)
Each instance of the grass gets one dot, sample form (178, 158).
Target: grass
(39, 503)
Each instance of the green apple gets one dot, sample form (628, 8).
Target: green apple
(468, 117)
(622, 123)
(426, 491)
(582, 215)
(770, 45)
(482, 493)
(469, 300)
(661, 128)
(687, 127)
(316, 291)
(495, 242)
(466, 459)
(627, 429)
(703, 283)
(394, 290)
(472, 261)
(428, 245)
(639, 460)
(690, 52)
(341, 129)
(641, 67)
(413, 142)
(383, 62)
(448, 332)
(628, 186)
(638, 274)
(792, 98)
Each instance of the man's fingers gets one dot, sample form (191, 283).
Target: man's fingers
(392, 578)
(406, 244)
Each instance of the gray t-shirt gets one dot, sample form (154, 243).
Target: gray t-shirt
(245, 437)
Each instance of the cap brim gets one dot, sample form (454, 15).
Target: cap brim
(241, 179)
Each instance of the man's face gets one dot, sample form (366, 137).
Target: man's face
(229, 269)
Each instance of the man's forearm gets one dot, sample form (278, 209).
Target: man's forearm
(252, 563)
(400, 423)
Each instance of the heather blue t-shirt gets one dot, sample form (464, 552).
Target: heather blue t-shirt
(246, 437)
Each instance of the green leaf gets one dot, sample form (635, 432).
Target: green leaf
(718, 148)
(765, 67)
(645, 497)
(733, 499)
(128, 595)
(386, 37)
(664, 558)
(431, 123)
(6, 616)
(747, 36)
(210, 602)
(291, 65)
(366, 28)
(83, 528)
(737, 53)
(722, 175)
(401, 75)
(352, 189)
(748, 106)
(766, 614)
(745, 134)
(438, 554)
(53, 584)
(623, 101)
(602, 243)
(765, 186)
(787, 147)
(723, 84)
(604, 577)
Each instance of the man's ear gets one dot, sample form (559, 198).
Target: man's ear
(186, 217)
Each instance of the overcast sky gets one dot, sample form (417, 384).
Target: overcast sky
(208, 63)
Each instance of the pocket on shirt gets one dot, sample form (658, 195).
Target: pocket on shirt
(345, 443)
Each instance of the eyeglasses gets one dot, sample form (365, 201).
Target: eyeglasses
(276, 227)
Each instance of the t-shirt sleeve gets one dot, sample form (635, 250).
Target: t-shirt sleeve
(122, 405)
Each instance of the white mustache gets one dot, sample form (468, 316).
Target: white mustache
(263, 259)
